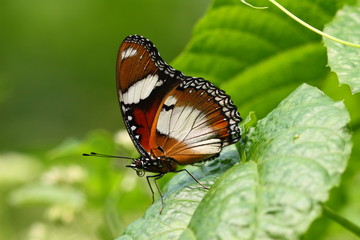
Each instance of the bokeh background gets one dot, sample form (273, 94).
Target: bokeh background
(58, 100)
(57, 62)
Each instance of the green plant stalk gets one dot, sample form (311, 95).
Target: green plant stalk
(311, 27)
(250, 5)
(341, 220)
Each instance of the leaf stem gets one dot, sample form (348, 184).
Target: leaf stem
(246, 3)
(311, 27)
(341, 220)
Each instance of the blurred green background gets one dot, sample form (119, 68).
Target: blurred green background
(58, 100)
(57, 86)
(57, 62)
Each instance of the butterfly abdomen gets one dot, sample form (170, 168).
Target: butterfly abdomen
(156, 165)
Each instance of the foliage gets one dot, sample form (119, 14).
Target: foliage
(345, 60)
(276, 193)
(259, 57)
(61, 194)
(291, 158)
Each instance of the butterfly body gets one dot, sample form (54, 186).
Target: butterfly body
(156, 165)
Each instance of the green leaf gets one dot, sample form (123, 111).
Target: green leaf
(307, 123)
(258, 56)
(246, 125)
(332, 89)
(249, 122)
(294, 157)
(344, 200)
(345, 60)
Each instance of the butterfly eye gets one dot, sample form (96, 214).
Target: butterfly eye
(140, 173)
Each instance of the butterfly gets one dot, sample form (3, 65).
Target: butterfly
(172, 119)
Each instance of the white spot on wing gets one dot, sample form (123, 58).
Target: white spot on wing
(140, 90)
(171, 100)
(159, 83)
(163, 125)
(210, 146)
(163, 122)
(129, 52)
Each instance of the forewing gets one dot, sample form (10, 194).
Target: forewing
(143, 81)
(195, 122)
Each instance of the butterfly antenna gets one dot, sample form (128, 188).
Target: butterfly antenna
(94, 154)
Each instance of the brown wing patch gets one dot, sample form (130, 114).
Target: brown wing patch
(134, 63)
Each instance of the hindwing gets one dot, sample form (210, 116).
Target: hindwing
(195, 122)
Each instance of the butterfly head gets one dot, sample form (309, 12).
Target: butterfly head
(138, 166)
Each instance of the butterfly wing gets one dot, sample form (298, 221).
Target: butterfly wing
(195, 122)
(168, 114)
(143, 79)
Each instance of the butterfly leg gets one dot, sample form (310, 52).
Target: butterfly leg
(205, 187)
(156, 177)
